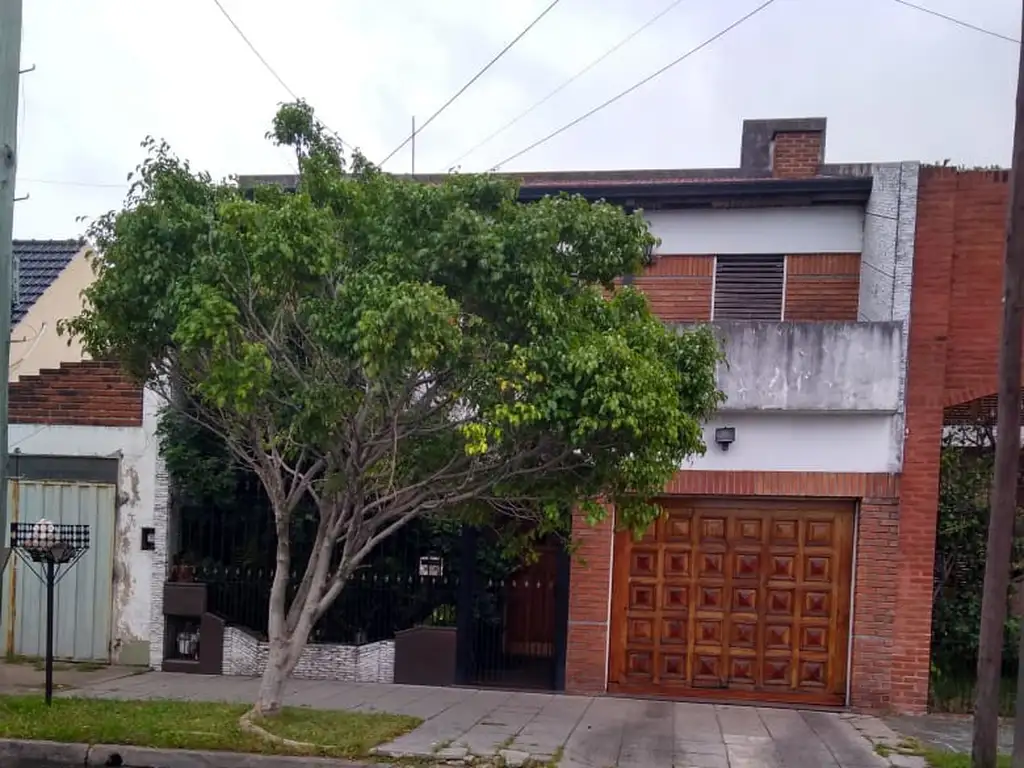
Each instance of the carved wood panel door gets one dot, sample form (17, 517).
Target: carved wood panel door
(746, 599)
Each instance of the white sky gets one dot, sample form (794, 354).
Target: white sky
(894, 84)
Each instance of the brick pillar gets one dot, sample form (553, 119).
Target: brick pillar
(874, 603)
(919, 482)
(586, 663)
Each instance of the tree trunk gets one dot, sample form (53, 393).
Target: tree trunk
(279, 662)
(286, 645)
(279, 667)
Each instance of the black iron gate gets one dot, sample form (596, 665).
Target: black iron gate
(512, 627)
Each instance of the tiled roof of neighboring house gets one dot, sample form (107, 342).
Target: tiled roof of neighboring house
(40, 263)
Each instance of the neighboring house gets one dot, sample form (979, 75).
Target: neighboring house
(50, 277)
(83, 450)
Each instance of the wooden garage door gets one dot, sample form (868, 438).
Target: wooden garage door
(741, 599)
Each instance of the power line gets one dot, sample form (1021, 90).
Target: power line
(958, 22)
(568, 82)
(255, 51)
(269, 68)
(472, 80)
(633, 87)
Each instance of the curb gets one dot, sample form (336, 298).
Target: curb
(16, 753)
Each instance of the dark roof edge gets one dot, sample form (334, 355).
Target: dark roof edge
(848, 189)
(845, 188)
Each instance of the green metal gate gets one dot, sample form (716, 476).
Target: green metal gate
(83, 598)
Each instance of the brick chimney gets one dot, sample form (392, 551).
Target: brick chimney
(783, 149)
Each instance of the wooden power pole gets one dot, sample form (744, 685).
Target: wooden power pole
(10, 62)
(1007, 464)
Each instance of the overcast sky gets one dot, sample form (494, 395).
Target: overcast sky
(894, 84)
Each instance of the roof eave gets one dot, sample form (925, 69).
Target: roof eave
(697, 194)
(692, 193)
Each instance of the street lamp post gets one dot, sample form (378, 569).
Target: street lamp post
(51, 545)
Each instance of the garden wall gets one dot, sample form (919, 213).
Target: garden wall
(246, 655)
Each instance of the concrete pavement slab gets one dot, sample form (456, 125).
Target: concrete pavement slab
(696, 723)
(794, 740)
(649, 739)
(847, 745)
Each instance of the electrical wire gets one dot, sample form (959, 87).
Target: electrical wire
(958, 22)
(649, 78)
(567, 83)
(472, 80)
(270, 69)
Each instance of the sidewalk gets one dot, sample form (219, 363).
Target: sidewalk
(27, 676)
(589, 732)
(953, 733)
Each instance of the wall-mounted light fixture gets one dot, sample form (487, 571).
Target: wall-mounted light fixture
(725, 436)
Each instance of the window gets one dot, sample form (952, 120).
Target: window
(748, 287)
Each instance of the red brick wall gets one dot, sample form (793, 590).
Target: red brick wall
(822, 286)
(952, 357)
(874, 603)
(587, 658)
(87, 393)
(926, 375)
(979, 210)
(819, 286)
(796, 154)
(679, 287)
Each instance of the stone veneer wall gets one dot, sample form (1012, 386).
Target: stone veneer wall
(245, 655)
(159, 564)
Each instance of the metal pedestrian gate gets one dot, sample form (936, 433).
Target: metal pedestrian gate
(83, 600)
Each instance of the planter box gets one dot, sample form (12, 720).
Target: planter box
(184, 598)
(425, 656)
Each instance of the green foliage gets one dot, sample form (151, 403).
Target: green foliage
(400, 348)
(965, 482)
(202, 469)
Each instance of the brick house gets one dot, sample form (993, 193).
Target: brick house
(801, 570)
(794, 561)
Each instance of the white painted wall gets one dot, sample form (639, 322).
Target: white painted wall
(838, 229)
(787, 442)
(138, 492)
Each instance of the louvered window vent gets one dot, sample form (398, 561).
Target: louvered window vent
(749, 287)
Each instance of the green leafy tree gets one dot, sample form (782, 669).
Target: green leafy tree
(965, 487)
(392, 349)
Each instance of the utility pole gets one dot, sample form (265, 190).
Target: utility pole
(1007, 464)
(1015, 277)
(10, 63)
(412, 139)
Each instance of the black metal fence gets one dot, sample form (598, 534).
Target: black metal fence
(372, 605)
(411, 578)
(509, 614)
